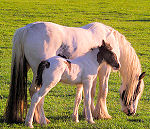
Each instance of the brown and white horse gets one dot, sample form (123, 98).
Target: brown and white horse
(42, 40)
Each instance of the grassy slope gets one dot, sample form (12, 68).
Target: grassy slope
(130, 17)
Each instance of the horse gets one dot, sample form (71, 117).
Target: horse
(81, 70)
(41, 40)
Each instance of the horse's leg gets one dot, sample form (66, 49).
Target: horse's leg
(33, 90)
(93, 90)
(29, 118)
(39, 111)
(78, 99)
(39, 115)
(100, 111)
(87, 86)
(36, 98)
(93, 95)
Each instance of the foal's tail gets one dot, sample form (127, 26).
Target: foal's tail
(17, 99)
(41, 67)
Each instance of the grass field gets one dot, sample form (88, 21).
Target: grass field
(129, 17)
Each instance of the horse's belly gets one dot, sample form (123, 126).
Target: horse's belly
(70, 78)
(72, 82)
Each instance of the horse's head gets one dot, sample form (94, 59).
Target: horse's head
(105, 53)
(129, 102)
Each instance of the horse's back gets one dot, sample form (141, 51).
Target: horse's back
(43, 40)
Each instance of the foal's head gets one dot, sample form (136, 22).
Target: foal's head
(105, 53)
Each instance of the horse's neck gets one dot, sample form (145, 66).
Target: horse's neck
(99, 31)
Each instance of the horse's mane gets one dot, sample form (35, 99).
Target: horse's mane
(130, 65)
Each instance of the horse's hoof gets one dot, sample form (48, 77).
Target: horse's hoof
(75, 119)
(102, 116)
(29, 125)
(91, 122)
(47, 120)
(108, 117)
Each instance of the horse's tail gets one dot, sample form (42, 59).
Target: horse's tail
(41, 67)
(17, 100)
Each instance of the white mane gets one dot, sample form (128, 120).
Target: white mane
(130, 65)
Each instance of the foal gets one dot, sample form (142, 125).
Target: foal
(81, 70)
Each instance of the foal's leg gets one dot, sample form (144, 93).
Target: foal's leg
(78, 99)
(87, 86)
(100, 111)
(93, 90)
(36, 99)
(39, 111)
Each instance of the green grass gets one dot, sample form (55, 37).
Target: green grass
(129, 17)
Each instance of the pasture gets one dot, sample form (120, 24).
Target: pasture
(130, 17)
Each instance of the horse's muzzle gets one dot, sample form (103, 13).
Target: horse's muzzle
(128, 112)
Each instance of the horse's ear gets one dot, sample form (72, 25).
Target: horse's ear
(103, 43)
(137, 91)
(142, 75)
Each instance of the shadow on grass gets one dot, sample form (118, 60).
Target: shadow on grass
(147, 20)
(61, 94)
(135, 120)
(2, 120)
(64, 117)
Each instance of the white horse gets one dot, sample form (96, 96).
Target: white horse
(42, 40)
(81, 70)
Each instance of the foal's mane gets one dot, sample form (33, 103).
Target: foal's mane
(130, 65)
(93, 48)
(106, 46)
